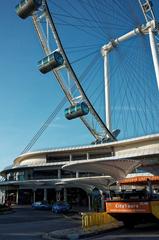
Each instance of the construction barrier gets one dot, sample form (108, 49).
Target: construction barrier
(92, 219)
(155, 208)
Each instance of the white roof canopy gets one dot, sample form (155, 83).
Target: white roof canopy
(115, 167)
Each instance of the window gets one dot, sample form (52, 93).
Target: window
(50, 159)
(67, 174)
(100, 155)
(79, 157)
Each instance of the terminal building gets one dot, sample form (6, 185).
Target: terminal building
(37, 176)
(77, 174)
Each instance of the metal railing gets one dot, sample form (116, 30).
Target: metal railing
(92, 219)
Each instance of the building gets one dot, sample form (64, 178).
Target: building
(60, 174)
(37, 176)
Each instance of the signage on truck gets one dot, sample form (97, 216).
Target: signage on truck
(128, 207)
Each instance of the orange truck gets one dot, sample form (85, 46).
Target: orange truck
(138, 203)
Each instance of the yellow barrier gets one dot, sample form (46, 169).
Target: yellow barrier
(155, 208)
(92, 219)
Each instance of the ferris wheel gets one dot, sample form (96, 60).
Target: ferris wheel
(56, 60)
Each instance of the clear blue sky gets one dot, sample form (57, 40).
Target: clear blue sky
(27, 97)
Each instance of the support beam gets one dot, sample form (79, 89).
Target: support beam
(107, 91)
(112, 44)
(154, 54)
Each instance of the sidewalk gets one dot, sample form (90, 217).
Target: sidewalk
(79, 233)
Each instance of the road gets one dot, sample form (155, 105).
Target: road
(29, 224)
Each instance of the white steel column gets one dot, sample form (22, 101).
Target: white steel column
(107, 91)
(154, 54)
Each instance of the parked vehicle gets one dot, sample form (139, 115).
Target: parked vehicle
(43, 205)
(61, 207)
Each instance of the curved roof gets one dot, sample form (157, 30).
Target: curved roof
(90, 147)
(115, 167)
(87, 183)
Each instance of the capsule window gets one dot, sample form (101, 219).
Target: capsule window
(51, 56)
(45, 60)
(73, 109)
(78, 107)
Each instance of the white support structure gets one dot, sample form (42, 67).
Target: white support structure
(107, 91)
(147, 9)
(149, 28)
(105, 52)
(112, 44)
(154, 54)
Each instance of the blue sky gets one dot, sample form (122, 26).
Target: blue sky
(27, 97)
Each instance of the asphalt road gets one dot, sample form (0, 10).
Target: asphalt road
(29, 224)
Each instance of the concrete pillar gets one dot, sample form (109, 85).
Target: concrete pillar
(17, 196)
(3, 197)
(59, 173)
(45, 194)
(58, 196)
(65, 194)
(70, 157)
(87, 155)
(102, 201)
(34, 194)
(77, 174)
(89, 202)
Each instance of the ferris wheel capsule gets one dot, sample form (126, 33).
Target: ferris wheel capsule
(50, 62)
(26, 7)
(78, 110)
